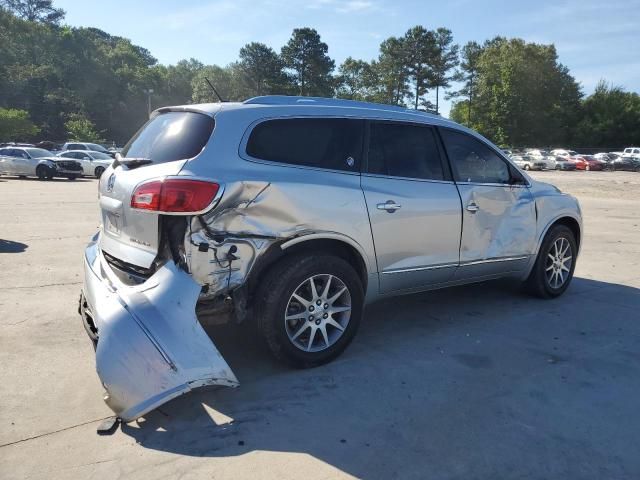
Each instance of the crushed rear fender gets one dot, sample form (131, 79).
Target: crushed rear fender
(151, 347)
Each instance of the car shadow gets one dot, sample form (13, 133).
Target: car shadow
(470, 382)
(9, 246)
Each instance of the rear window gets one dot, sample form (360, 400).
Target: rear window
(333, 143)
(170, 136)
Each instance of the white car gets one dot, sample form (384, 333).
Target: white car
(85, 146)
(541, 156)
(560, 152)
(631, 152)
(93, 163)
(37, 162)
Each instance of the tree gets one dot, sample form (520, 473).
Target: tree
(418, 52)
(392, 72)
(610, 118)
(15, 125)
(468, 74)
(444, 60)
(357, 80)
(35, 10)
(81, 129)
(305, 55)
(260, 71)
(524, 96)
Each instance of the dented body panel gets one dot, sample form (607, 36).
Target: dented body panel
(152, 279)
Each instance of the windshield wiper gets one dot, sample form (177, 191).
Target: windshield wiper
(132, 162)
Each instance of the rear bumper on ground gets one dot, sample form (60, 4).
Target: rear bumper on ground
(150, 347)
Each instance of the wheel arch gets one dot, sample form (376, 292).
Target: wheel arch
(567, 220)
(334, 244)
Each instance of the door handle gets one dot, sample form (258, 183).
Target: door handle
(473, 207)
(390, 206)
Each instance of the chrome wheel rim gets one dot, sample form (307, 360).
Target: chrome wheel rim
(317, 313)
(558, 263)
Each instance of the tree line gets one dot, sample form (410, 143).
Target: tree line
(59, 82)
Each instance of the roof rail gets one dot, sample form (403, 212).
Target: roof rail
(328, 102)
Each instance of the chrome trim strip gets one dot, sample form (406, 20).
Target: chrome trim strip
(420, 269)
(494, 260)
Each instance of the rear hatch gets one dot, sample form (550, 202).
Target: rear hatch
(159, 149)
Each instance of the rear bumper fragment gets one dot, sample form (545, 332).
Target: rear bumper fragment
(150, 347)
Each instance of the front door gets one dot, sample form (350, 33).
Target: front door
(498, 210)
(414, 207)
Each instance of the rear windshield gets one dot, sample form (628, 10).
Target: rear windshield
(170, 136)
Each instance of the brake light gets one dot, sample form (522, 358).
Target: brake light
(174, 195)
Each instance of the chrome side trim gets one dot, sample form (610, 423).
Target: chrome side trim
(420, 269)
(494, 260)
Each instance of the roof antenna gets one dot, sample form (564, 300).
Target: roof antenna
(214, 90)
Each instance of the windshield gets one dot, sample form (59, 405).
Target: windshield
(101, 156)
(95, 147)
(38, 152)
(170, 136)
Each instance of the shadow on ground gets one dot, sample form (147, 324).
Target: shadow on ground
(9, 246)
(474, 382)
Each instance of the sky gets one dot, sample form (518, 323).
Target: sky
(595, 39)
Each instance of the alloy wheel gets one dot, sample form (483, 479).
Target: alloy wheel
(558, 263)
(317, 313)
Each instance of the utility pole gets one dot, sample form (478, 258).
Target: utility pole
(149, 91)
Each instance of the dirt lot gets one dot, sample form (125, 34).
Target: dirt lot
(474, 382)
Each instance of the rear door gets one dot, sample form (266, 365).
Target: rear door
(413, 205)
(498, 210)
(159, 149)
(20, 162)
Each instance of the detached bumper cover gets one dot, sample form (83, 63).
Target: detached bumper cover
(151, 347)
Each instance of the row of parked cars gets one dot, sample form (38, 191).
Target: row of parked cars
(561, 159)
(72, 160)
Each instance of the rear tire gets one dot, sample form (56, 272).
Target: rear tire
(306, 329)
(527, 167)
(72, 177)
(99, 171)
(553, 271)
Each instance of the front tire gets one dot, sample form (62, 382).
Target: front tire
(42, 173)
(527, 167)
(553, 271)
(72, 177)
(99, 171)
(309, 308)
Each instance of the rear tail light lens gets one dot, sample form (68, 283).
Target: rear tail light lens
(174, 195)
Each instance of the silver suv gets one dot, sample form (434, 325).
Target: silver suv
(293, 213)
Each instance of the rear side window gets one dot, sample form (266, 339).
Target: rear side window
(404, 150)
(473, 161)
(76, 146)
(333, 143)
(170, 136)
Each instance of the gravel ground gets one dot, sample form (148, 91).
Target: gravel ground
(474, 382)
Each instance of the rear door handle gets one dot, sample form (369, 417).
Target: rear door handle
(473, 207)
(390, 206)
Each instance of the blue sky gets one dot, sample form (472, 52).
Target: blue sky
(595, 39)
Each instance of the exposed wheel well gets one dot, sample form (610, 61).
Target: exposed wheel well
(572, 224)
(335, 247)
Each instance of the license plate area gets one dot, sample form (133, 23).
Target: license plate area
(112, 223)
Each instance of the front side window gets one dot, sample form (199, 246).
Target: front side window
(473, 161)
(333, 143)
(404, 150)
(76, 146)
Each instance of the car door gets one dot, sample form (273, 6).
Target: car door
(498, 210)
(414, 206)
(20, 162)
(5, 161)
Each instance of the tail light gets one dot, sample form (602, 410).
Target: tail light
(173, 195)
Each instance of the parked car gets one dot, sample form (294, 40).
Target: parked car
(93, 163)
(633, 152)
(36, 162)
(86, 146)
(587, 162)
(526, 162)
(606, 159)
(272, 217)
(628, 164)
(543, 156)
(561, 163)
(561, 152)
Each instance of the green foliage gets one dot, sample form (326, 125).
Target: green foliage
(15, 125)
(611, 117)
(35, 10)
(305, 56)
(357, 80)
(81, 129)
(467, 74)
(523, 95)
(260, 71)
